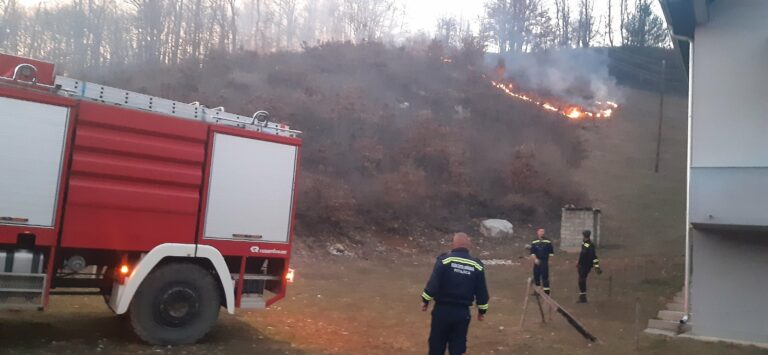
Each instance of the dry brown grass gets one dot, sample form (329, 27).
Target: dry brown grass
(395, 139)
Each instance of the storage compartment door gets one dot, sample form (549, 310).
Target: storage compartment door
(31, 154)
(250, 191)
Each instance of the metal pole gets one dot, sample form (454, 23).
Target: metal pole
(687, 280)
(662, 90)
(687, 288)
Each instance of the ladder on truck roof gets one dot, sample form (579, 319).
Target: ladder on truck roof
(259, 122)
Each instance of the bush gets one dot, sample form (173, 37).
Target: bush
(395, 139)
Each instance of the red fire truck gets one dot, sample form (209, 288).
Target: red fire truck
(169, 210)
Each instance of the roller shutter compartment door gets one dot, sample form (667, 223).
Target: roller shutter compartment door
(31, 153)
(251, 187)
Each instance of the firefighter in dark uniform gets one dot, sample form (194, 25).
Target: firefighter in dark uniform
(587, 260)
(457, 280)
(541, 250)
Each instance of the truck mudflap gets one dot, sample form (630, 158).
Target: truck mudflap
(122, 294)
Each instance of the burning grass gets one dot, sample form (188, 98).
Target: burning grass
(599, 109)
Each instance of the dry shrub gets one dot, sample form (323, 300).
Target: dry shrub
(384, 146)
(325, 202)
(290, 78)
(404, 192)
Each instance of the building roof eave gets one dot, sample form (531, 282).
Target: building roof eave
(682, 18)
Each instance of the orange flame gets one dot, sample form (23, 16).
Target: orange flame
(574, 112)
(547, 106)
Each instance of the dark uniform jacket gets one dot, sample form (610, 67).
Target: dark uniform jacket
(457, 278)
(543, 249)
(588, 255)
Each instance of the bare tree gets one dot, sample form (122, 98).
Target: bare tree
(10, 25)
(585, 26)
(92, 34)
(149, 27)
(623, 16)
(563, 19)
(249, 23)
(333, 14)
(286, 17)
(518, 25)
(310, 22)
(221, 22)
(233, 24)
(447, 31)
(370, 19)
(609, 23)
(542, 32)
(252, 26)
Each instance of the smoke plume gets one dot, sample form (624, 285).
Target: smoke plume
(578, 75)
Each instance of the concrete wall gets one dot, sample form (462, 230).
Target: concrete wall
(575, 221)
(729, 292)
(730, 115)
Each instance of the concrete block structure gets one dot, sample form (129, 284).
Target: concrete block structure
(573, 221)
(725, 43)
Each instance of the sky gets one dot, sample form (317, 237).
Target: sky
(422, 15)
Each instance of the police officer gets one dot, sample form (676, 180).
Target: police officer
(587, 260)
(541, 250)
(457, 280)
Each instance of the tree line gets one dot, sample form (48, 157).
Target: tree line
(88, 34)
(98, 33)
(532, 25)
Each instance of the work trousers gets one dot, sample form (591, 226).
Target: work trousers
(541, 275)
(450, 323)
(583, 273)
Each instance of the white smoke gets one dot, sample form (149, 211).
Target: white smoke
(578, 75)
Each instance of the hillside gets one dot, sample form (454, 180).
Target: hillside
(396, 140)
(643, 211)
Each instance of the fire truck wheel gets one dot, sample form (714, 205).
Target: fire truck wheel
(176, 304)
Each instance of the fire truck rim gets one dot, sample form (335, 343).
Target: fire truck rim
(177, 306)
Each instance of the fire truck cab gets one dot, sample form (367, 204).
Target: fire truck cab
(169, 210)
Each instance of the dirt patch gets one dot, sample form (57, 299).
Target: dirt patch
(342, 305)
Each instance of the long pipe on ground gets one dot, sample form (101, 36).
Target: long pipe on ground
(687, 280)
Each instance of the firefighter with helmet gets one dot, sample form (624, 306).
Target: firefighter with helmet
(587, 260)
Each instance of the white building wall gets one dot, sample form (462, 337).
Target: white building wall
(730, 104)
(728, 288)
(729, 149)
(729, 167)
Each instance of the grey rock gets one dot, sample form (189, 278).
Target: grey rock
(496, 228)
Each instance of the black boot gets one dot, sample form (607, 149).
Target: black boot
(582, 298)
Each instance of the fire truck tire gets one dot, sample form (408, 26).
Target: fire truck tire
(176, 304)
